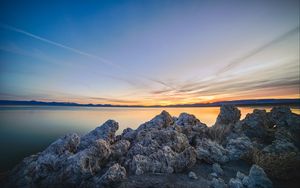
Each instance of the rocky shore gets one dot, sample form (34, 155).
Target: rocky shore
(262, 150)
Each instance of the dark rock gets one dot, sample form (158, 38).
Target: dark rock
(228, 114)
(217, 169)
(211, 152)
(257, 178)
(192, 175)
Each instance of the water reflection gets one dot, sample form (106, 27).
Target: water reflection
(25, 130)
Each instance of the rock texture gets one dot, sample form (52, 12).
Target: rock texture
(169, 149)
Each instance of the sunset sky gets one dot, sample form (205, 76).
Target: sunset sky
(149, 52)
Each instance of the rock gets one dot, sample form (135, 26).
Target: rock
(213, 175)
(210, 151)
(115, 173)
(192, 175)
(217, 183)
(85, 163)
(160, 121)
(235, 183)
(257, 178)
(128, 134)
(189, 125)
(119, 149)
(239, 147)
(280, 115)
(164, 160)
(256, 127)
(287, 124)
(217, 169)
(185, 159)
(281, 159)
(150, 141)
(228, 114)
(240, 175)
(68, 143)
(106, 132)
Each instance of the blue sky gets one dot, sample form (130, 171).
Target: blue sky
(149, 52)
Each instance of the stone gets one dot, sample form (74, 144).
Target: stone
(119, 149)
(240, 175)
(228, 114)
(239, 147)
(192, 175)
(256, 126)
(164, 160)
(257, 178)
(211, 152)
(217, 169)
(217, 183)
(281, 159)
(235, 183)
(115, 173)
(128, 134)
(163, 120)
(213, 175)
(106, 132)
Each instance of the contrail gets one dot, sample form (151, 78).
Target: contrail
(102, 60)
(259, 49)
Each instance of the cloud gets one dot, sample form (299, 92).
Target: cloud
(77, 51)
(258, 50)
(113, 100)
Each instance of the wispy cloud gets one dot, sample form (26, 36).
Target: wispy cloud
(77, 51)
(258, 50)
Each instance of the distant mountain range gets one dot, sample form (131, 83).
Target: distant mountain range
(252, 102)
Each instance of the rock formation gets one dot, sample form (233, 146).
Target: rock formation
(167, 147)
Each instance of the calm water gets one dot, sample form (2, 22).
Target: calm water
(25, 130)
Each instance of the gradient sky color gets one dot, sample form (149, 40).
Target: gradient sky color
(149, 52)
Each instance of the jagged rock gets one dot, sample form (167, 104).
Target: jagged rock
(165, 160)
(192, 175)
(240, 175)
(106, 132)
(115, 173)
(235, 183)
(287, 124)
(128, 134)
(189, 125)
(239, 147)
(228, 114)
(281, 159)
(217, 183)
(213, 175)
(85, 163)
(119, 149)
(185, 159)
(210, 151)
(257, 178)
(256, 126)
(68, 143)
(217, 169)
(160, 121)
(149, 141)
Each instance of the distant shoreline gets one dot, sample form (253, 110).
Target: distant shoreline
(240, 103)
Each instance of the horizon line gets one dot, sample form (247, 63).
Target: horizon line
(264, 101)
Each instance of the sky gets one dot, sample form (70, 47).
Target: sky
(157, 52)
